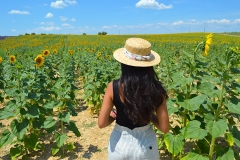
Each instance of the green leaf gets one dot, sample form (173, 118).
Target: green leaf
(31, 141)
(31, 112)
(229, 138)
(6, 138)
(185, 81)
(216, 128)
(55, 150)
(236, 135)
(25, 157)
(59, 83)
(70, 146)
(195, 156)
(33, 95)
(65, 117)
(11, 91)
(70, 106)
(174, 143)
(60, 139)
(225, 154)
(15, 152)
(206, 88)
(203, 144)
(72, 127)
(51, 104)
(187, 54)
(193, 103)
(19, 129)
(11, 110)
(233, 107)
(235, 70)
(49, 122)
(193, 130)
(171, 108)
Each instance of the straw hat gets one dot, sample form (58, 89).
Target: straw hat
(137, 52)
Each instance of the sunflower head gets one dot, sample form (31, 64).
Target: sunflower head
(70, 52)
(39, 60)
(206, 44)
(55, 51)
(99, 54)
(1, 59)
(107, 57)
(12, 59)
(46, 53)
(209, 39)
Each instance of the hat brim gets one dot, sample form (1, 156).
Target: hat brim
(122, 58)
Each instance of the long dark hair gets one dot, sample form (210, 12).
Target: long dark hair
(142, 92)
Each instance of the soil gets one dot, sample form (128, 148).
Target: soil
(92, 144)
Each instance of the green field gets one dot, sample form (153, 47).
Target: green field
(38, 75)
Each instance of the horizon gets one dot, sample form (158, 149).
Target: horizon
(118, 17)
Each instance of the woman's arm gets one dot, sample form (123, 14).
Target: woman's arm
(161, 120)
(104, 118)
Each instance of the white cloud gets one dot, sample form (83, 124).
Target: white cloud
(52, 28)
(163, 24)
(178, 23)
(62, 4)
(14, 30)
(49, 15)
(108, 27)
(152, 4)
(47, 23)
(67, 25)
(18, 12)
(73, 19)
(236, 21)
(62, 18)
(72, 2)
(222, 21)
(58, 4)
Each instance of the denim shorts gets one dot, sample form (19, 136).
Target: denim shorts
(137, 144)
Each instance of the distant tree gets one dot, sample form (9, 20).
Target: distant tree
(99, 33)
(84, 34)
(27, 34)
(104, 33)
(33, 34)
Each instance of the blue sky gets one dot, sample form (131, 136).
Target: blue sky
(118, 16)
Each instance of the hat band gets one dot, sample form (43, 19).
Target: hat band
(137, 57)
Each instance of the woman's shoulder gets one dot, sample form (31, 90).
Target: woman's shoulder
(113, 82)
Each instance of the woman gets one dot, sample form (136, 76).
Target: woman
(139, 99)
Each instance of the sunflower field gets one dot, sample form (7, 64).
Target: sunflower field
(201, 72)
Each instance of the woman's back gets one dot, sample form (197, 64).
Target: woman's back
(140, 99)
(122, 118)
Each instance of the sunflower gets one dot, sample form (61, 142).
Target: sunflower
(209, 39)
(55, 51)
(46, 53)
(70, 52)
(99, 54)
(107, 57)
(1, 59)
(39, 60)
(207, 44)
(12, 59)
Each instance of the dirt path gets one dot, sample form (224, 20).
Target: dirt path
(91, 145)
